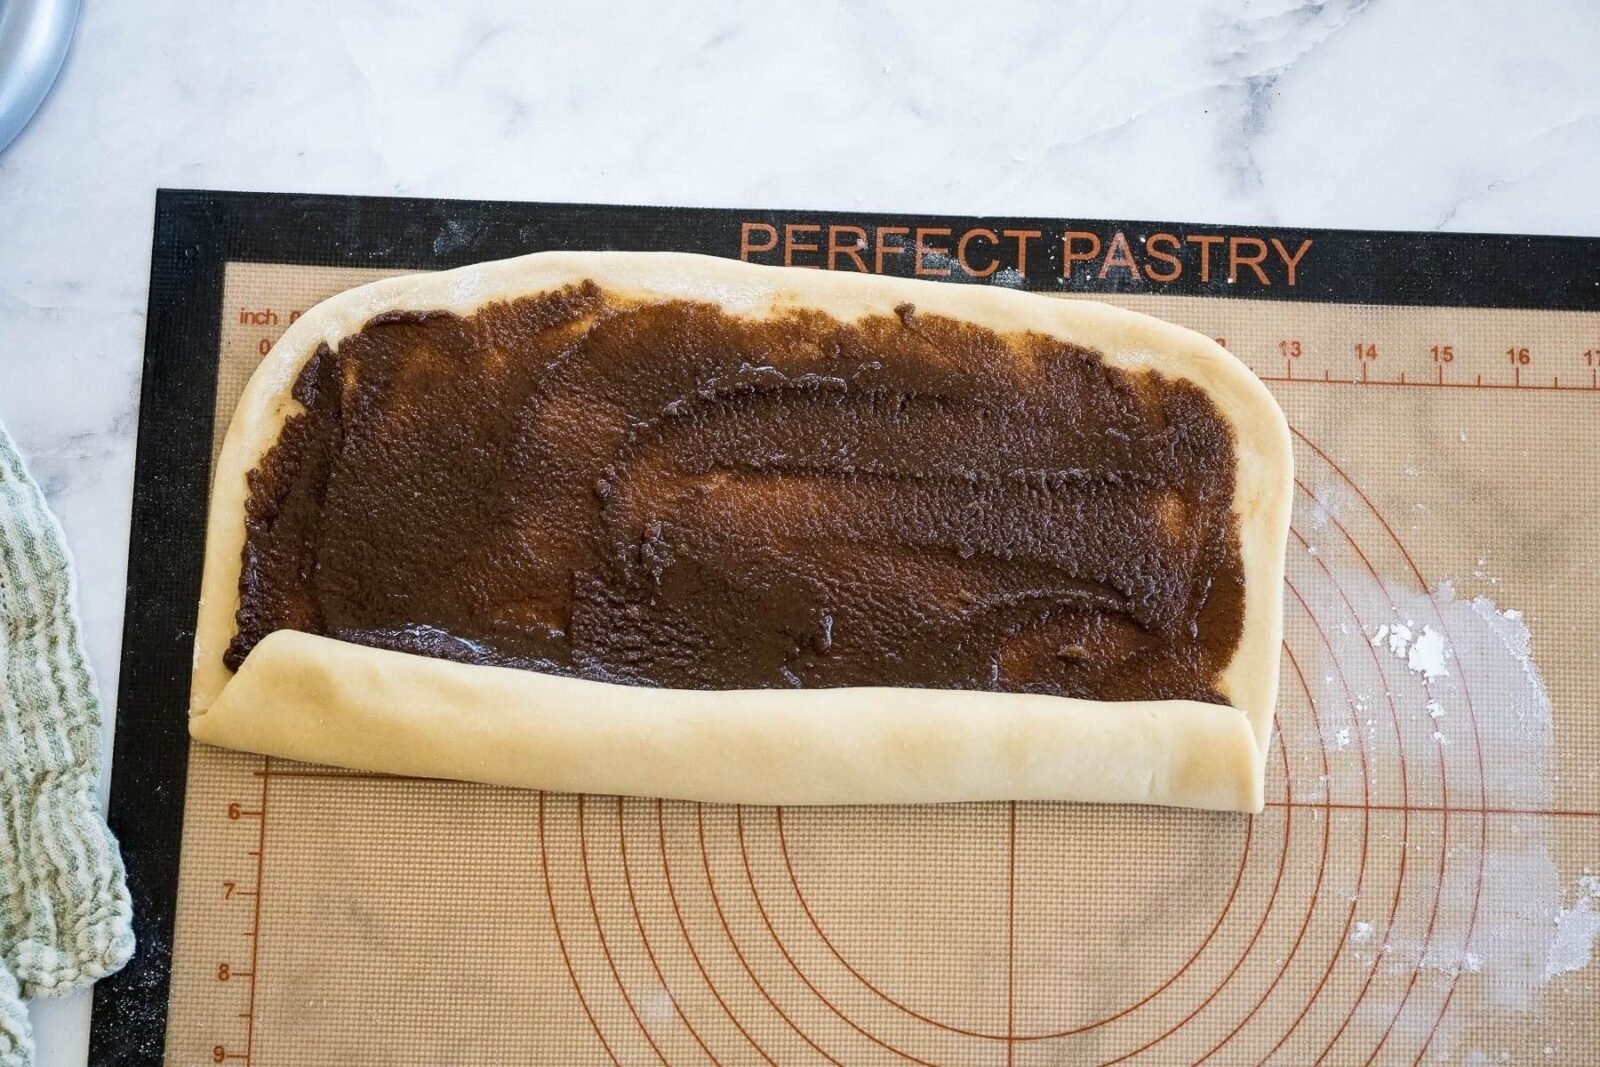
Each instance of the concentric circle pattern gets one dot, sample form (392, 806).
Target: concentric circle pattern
(1006, 933)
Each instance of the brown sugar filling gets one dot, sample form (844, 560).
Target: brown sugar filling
(665, 494)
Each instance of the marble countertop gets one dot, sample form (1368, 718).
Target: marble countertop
(1333, 113)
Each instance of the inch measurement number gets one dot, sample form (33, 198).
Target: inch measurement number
(1519, 356)
(1291, 348)
(1366, 351)
(1443, 353)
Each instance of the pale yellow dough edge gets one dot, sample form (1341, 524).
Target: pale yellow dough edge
(311, 698)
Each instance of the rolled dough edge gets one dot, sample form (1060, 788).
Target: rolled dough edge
(319, 700)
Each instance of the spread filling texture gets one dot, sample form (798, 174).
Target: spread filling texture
(666, 494)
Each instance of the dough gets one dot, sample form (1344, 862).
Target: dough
(314, 698)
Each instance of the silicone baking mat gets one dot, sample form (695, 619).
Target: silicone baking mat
(1424, 884)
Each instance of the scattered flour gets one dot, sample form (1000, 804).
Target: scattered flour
(1577, 928)
(1460, 680)
(1428, 655)
(1509, 627)
(1425, 652)
(1395, 637)
(1437, 651)
(657, 1006)
(1331, 504)
(1010, 277)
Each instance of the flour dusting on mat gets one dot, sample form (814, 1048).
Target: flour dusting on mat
(1461, 679)
(1488, 656)
(1330, 506)
(1513, 633)
(1425, 652)
(1577, 928)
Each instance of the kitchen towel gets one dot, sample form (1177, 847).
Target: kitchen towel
(65, 919)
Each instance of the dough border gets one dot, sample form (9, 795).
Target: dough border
(320, 700)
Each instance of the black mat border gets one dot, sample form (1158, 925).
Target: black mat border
(198, 232)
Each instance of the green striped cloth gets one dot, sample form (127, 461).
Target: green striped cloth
(64, 913)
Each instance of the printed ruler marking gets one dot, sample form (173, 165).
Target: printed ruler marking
(1373, 358)
(234, 891)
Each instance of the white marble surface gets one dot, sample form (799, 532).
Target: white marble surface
(1471, 115)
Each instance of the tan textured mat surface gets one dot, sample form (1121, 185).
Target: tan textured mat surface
(1422, 885)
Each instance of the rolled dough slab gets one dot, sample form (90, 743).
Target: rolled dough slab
(320, 700)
